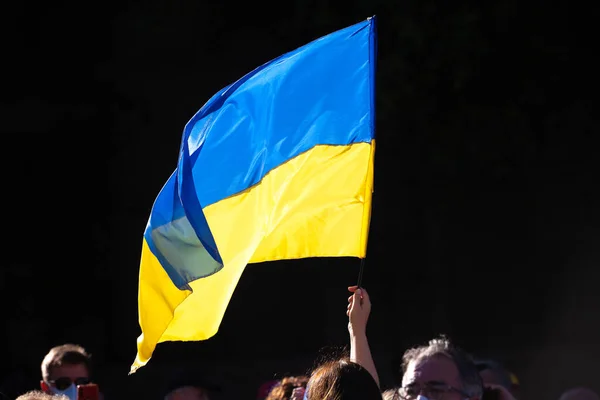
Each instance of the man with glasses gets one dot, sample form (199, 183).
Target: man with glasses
(64, 368)
(439, 371)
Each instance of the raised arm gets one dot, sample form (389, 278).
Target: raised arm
(359, 307)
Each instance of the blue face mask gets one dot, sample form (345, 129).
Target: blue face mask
(70, 392)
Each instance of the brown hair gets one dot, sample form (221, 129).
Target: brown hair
(283, 390)
(64, 354)
(342, 380)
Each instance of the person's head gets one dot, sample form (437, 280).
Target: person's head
(190, 384)
(65, 367)
(39, 395)
(492, 372)
(187, 393)
(579, 393)
(342, 380)
(284, 388)
(439, 371)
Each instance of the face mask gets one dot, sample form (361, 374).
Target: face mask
(70, 392)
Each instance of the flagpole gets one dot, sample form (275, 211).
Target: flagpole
(360, 272)
(372, 59)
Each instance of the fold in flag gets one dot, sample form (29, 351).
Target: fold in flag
(278, 165)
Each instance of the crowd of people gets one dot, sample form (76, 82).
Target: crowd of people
(437, 370)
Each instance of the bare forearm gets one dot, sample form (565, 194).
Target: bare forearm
(360, 353)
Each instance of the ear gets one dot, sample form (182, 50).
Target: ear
(44, 386)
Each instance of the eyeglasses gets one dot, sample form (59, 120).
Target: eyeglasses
(63, 383)
(433, 391)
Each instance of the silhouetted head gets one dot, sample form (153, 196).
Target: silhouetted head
(579, 393)
(187, 393)
(190, 384)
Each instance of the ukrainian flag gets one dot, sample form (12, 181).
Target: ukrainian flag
(278, 165)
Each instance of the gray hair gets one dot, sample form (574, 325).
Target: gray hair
(469, 375)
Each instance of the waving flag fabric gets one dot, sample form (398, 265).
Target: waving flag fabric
(278, 165)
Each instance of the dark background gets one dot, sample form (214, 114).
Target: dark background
(485, 220)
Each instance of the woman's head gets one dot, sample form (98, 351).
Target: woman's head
(342, 380)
